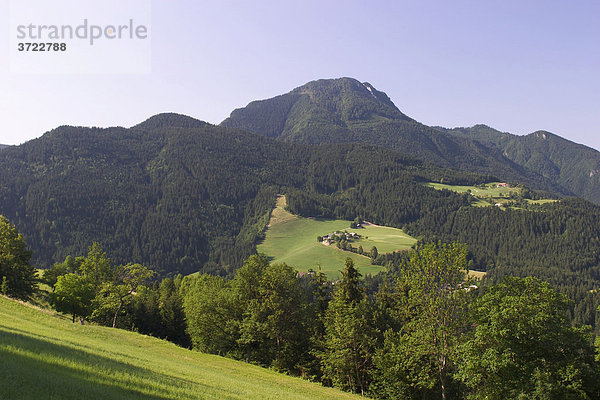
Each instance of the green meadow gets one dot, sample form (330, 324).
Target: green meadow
(292, 240)
(491, 190)
(45, 356)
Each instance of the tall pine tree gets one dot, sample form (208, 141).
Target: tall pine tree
(349, 335)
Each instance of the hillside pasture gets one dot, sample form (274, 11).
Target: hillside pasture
(44, 356)
(385, 238)
(292, 240)
(490, 191)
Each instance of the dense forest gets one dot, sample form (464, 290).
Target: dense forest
(556, 242)
(175, 193)
(180, 196)
(575, 166)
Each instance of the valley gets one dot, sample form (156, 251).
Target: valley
(172, 211)
(339, 200)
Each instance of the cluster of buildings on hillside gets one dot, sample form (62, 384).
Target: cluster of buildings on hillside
(339, 236)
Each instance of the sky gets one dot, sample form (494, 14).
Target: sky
(517, 66)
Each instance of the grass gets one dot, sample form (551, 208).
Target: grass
(542, 201)
(499, 195)
(44, 356)
(491, 189)
(279, 214)
(385, 238)
(478, 275)
(293, 240)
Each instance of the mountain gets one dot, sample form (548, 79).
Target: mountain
(172, 192)
(169, 120)
(2, 146)
(347, 111)
(320, 111)
(173, 197)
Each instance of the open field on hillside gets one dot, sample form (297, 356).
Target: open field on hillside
(491, 189)
(476, 274)
(385, 238)
(293, 240)
(499, 195)
(43, 356)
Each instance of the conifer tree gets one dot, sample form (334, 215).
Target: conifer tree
(349, 336)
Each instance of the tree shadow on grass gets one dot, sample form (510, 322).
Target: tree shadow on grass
(32, 368)
(75, 345)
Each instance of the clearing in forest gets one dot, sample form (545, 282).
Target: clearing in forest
(292, 239)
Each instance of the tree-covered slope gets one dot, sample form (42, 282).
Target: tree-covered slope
(173, 192)
(574, 166)
(170, 197)
(319, 108)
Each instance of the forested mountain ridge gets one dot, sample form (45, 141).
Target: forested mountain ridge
(345, 110)
(169, 120)
(181, 198)
(319, 108)
(154, 196)
(574, 165)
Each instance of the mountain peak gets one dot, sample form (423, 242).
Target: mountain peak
(324, 107)
(349, 87)
(544, 135)
(169, 120)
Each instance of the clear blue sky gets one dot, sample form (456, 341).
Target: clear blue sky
(518, 66)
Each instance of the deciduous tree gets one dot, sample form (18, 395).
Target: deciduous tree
(213, 312)
(17, 275)
(417, 360)
(114, 294)
(96, 267)
(276, 322)
(70, 265)
(73, 294)
(523, 346)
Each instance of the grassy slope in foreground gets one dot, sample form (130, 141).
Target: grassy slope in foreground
(293, 240)
(45, 357)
